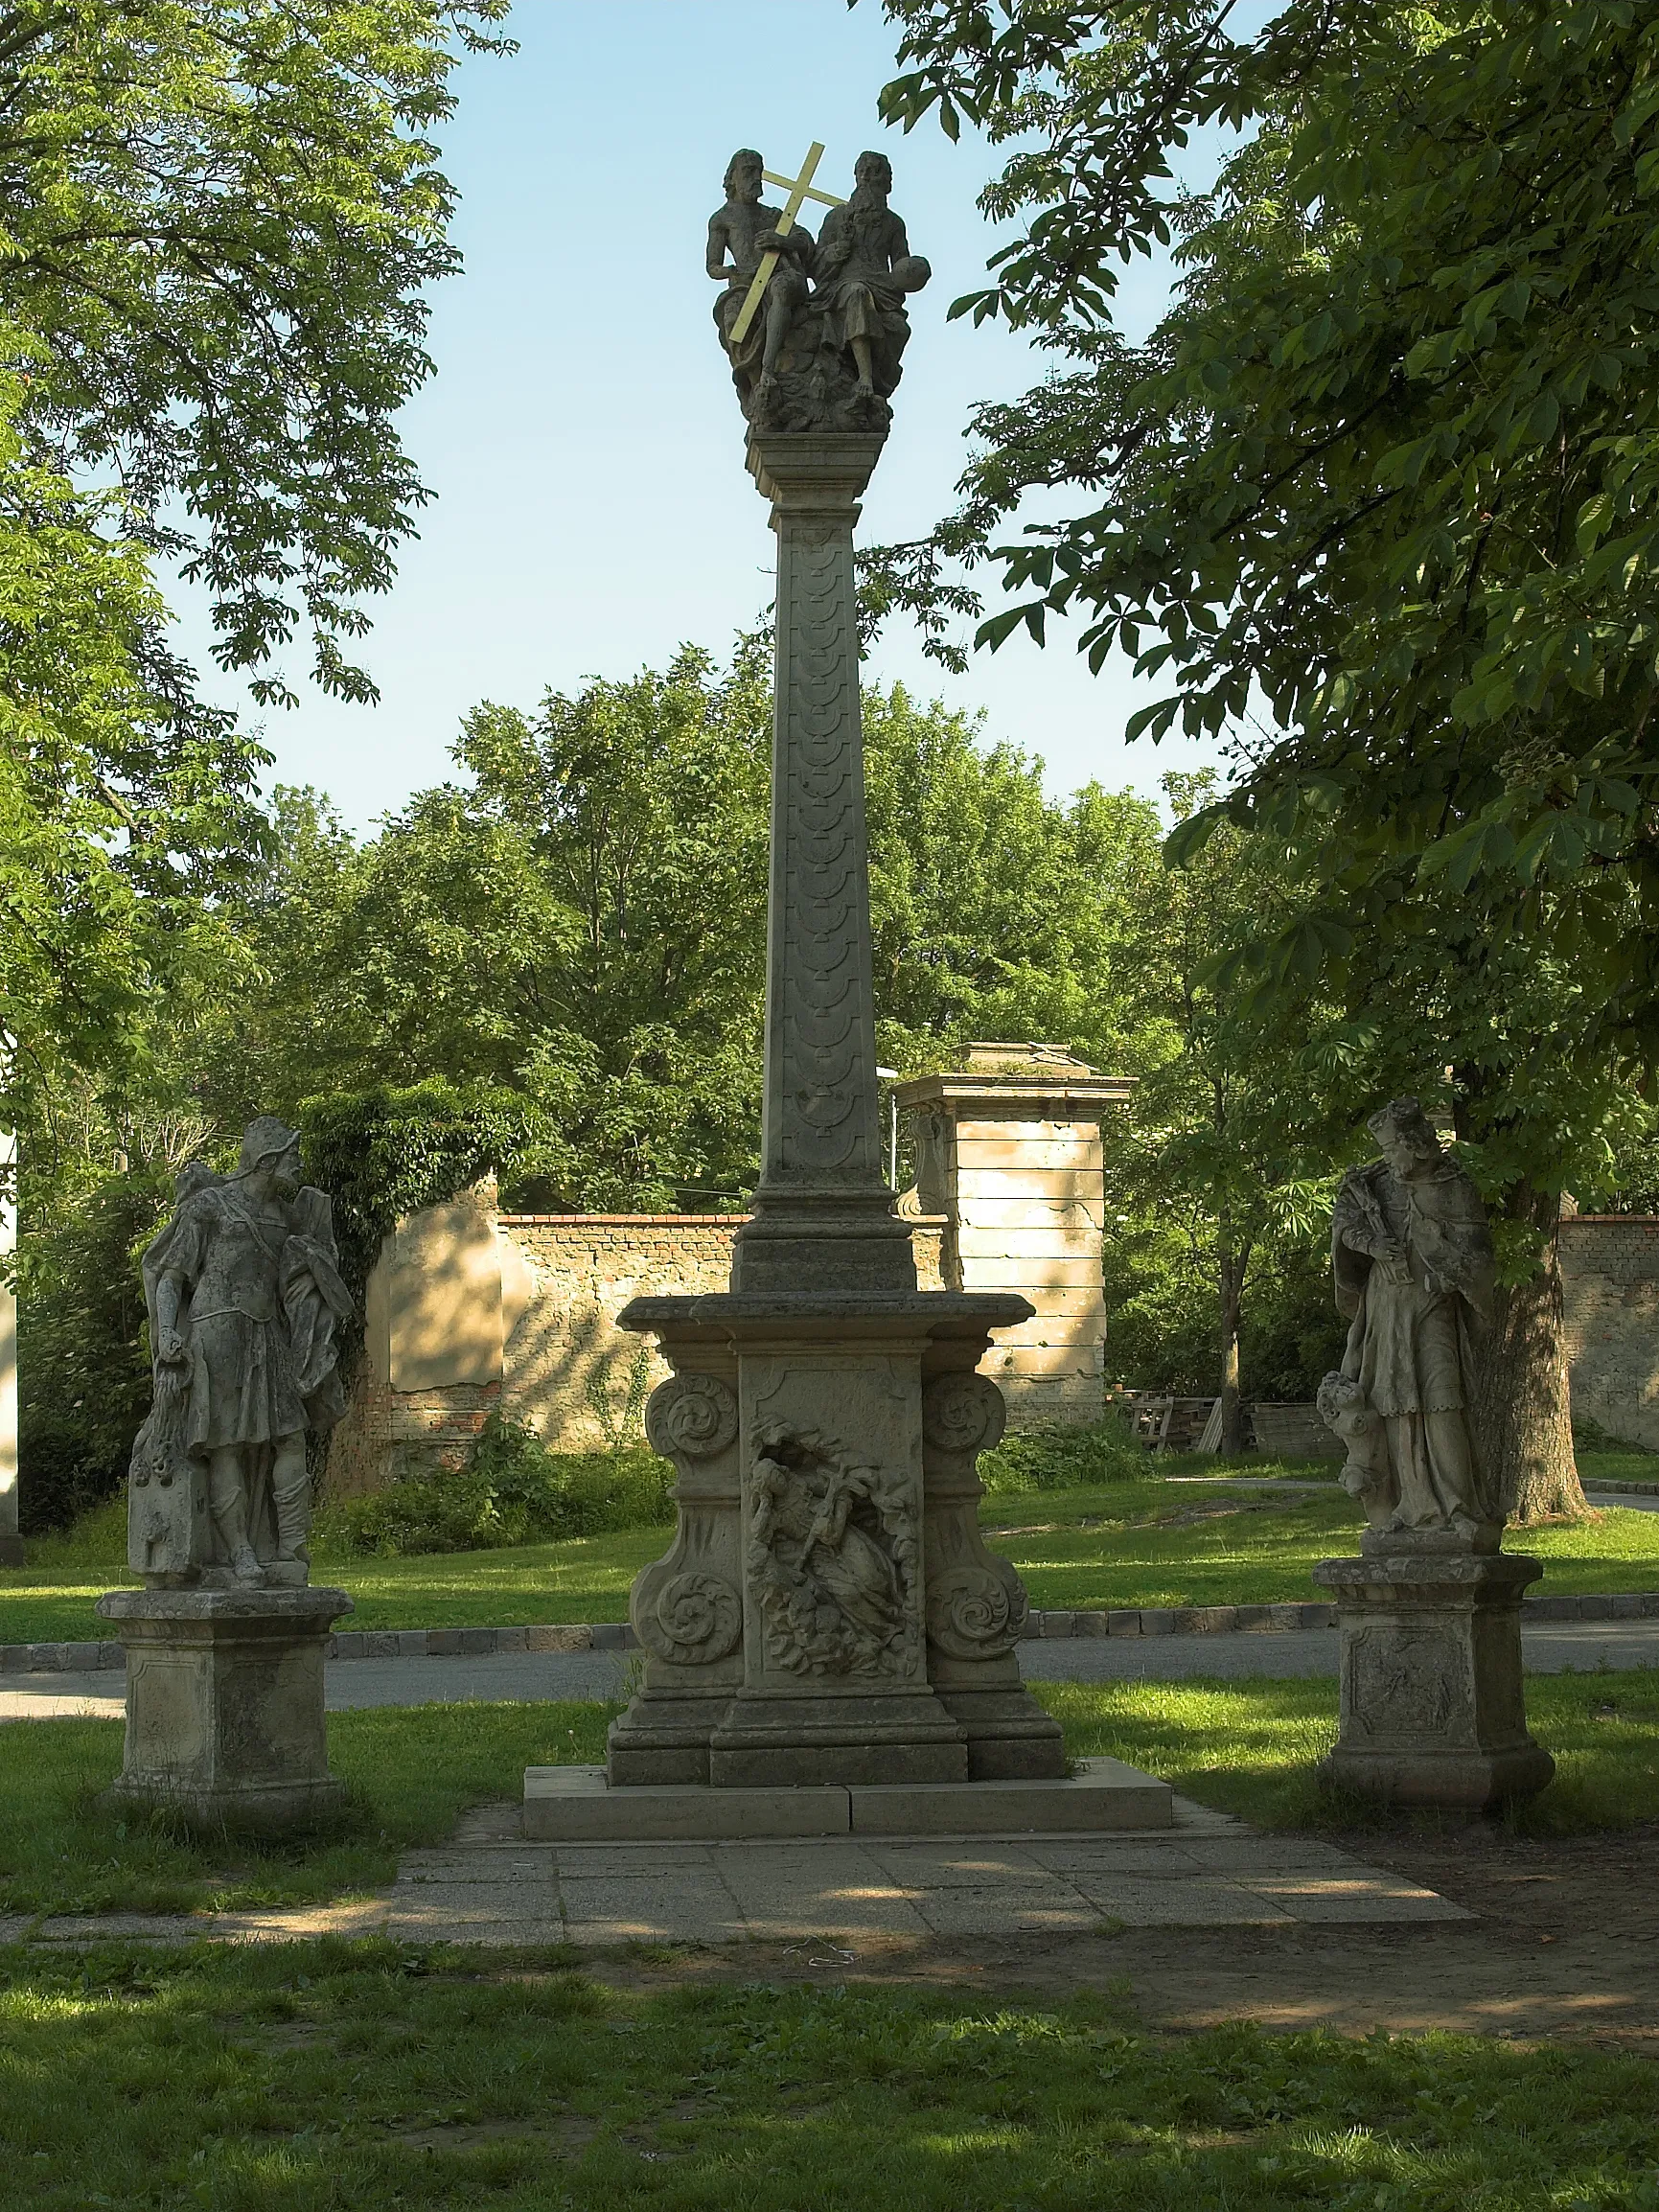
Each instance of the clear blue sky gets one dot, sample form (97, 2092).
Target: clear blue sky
(581, 431)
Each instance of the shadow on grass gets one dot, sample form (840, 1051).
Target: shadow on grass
(410, 1770)
(1249, 1747)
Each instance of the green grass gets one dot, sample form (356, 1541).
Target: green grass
(1249, 1746)
(411, 1770)
(1243, 1746)
(314, 2077)
(1115, 1544)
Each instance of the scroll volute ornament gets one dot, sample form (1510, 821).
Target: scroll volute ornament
(691, 1417)
(963, 1412)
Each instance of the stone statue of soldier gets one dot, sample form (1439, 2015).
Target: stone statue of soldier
(245, 1298)
(1411, 1258)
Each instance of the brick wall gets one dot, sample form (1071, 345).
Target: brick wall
(1610, 1285)
(565, 1369)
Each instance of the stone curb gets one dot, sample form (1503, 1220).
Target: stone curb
(1613, 1489)
(617, 1636)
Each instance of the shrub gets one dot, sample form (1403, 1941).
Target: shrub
(513, 1492)
(1064, 1459)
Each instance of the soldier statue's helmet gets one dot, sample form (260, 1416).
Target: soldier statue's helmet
(267, 1139)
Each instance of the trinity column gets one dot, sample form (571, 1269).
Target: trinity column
(828, 1643)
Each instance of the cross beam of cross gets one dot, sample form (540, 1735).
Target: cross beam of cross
(799, 188)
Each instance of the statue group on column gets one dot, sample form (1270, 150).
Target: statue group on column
(823, 352)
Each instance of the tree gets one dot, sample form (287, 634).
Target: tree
(220, 218)
(1379, 491)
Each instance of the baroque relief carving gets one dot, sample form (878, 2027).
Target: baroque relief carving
(695, 1619)
(1407, 1682)
(963, 1412)
(691, 1417)
(827, 1121)
(832, 1553)
(976, 1612)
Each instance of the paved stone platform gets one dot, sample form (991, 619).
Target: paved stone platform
(489, 1886)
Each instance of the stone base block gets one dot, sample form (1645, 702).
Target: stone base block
(575, 1804)
(225, 1704)
(662, 1738)
(795, 1743)
(1453, 1781)
(12, 1552)
(1010, 1737)
(1433, 1706)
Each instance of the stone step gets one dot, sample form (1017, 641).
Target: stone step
(576, 1805)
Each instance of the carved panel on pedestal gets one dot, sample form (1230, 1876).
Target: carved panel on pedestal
(963, 1412)
(693, 1620)
(1406, 1683)
(831, 1522)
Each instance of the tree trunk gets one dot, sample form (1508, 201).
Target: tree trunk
(1524, 1410)
(1229, 1272)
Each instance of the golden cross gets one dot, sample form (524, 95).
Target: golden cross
(799, 188)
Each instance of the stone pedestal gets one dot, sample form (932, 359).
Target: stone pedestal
(884, 1653)
(1433, 1707)
(225, 1704)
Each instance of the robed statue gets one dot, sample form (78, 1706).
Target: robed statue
(813, 330)
(1411, 1258)
(244, 1299)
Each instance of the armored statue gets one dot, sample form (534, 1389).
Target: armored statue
(245, 1298)
(1411, 1258)
(825, 357)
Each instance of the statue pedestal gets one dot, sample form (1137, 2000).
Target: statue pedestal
(1433, 1707)
(880, 1651)
(225, 1704)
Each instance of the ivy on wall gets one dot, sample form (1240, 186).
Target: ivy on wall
(384, 1154)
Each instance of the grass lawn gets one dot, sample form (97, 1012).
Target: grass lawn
(411, 1770)
(1246, 1746)
(1249, 1745)
(315, 2077)
(1135, 1543)
(324, 2076)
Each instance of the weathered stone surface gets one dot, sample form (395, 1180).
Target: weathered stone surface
(244, 1303)
(225, 1704)
(1412, 1262)
(1432, 1704)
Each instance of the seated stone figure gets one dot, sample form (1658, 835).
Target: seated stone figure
(244, 1299)
(865, 268)
(746, 230)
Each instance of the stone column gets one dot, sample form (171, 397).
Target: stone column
(823, 1214)
(10, 1542)
(1432, 1700)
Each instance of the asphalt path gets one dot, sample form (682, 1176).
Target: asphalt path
(1551, 1648)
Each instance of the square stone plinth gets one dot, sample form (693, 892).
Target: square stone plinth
(1432, 1702)
(576, 1805)
(225, 1704)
